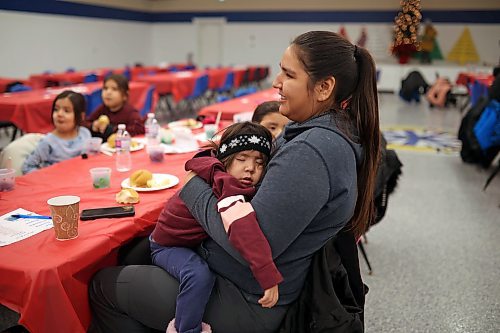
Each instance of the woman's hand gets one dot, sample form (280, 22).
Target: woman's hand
(270, 297)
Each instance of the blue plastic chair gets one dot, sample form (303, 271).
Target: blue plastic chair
(200, 87)
(126, 73)
(90, 78)
(19, 88)
(93, 101)
(222, 98)
(148, 104)
(228, 83)
(477, 91)
(245, 91)
(108, 73)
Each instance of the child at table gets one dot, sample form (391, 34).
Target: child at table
(267, 114)
(233, 168)
(115, 110)
(67, 139)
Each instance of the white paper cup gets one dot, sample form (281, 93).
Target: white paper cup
(65, 211)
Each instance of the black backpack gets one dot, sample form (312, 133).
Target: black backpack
(471, 151)
(390, 168)
(413, 83)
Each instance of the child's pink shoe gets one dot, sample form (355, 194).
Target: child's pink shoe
(205, 328)
(171, 327)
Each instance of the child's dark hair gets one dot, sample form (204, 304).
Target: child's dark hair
(79, 105)
(233, 130)
(263, 109)
(325, 54)
(121, 82)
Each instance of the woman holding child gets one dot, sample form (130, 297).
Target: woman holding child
(320, 178)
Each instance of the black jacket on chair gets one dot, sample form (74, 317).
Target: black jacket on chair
(333, 296)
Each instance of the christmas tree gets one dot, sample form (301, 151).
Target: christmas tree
(406, 25)
(464, 50)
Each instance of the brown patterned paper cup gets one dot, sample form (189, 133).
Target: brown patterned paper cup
(65, 213)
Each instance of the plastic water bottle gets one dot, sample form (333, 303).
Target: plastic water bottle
(152, 130)
(122, 146)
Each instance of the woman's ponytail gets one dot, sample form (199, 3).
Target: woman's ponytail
(364, 112)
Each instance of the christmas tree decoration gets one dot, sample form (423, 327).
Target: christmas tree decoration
(436, 52)
(343, 32)
(406, 25)
(362, 38)
(427, 42)
(464, 50)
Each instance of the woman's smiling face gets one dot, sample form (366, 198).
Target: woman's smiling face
(297, 100)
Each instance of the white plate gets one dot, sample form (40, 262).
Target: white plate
(139, 145)
(163, 181)
(178, 149)
(184, 123)
(203, 137)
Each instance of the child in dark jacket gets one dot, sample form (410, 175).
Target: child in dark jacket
(115, 110)
(233, 168)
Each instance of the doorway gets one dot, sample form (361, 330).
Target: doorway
(209, 44)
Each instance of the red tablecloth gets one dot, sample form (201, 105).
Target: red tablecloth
(31, 110)
(239, 73)
(39, 81)
(4, 81)
(46, 280)
(181, 84)
(234, 106)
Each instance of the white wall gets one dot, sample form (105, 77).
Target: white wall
(33, 43)
(264, 43)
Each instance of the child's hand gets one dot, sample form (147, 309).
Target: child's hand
(270, 297)
(98, 126)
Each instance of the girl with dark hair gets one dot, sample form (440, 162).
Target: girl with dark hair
(268, 115)
(232, 167)
(68, 137)
(320, 179)
(115, 110)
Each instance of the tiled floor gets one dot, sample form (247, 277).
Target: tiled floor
(435, 255)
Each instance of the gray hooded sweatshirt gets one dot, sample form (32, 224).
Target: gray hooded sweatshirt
(307, 195)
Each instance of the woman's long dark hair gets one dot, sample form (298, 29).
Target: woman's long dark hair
(325, 54)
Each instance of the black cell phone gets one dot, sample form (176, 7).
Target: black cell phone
(107, 212)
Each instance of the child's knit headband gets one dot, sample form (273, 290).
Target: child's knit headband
(243, 142)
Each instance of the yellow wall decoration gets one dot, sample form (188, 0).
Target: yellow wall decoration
(464, 50)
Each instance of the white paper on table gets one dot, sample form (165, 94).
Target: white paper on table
(13, 230)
